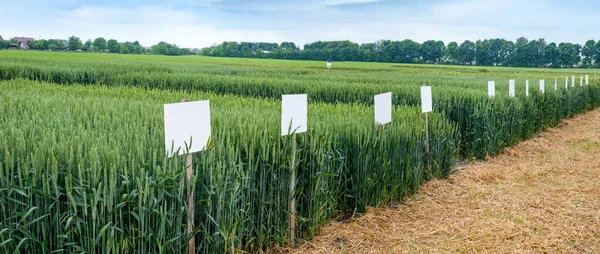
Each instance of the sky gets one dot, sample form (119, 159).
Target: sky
(202, 23)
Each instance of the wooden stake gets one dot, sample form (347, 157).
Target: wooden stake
(190, 196)
(292, 220)
(426, 141)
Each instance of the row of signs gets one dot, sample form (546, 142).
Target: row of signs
(187, 124)
(511, 85)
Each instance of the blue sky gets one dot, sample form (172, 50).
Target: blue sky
(203, 23)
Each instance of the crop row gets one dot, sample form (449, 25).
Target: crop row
(83, 168)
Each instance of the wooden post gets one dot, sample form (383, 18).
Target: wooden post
(426, 141)
(292, 221)
(190, 196)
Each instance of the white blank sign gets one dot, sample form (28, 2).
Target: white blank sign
(491, 88)
(542, 86)
(587, 80)
(294, 113)
(383, 108)
(555, 84)
(572, 81)
(184, 123)
(426, 101)
(511, 88)
(581, 80)
(526, 87)
(566, 82)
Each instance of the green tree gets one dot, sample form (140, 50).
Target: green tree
(569, 54)
(431, 51)
(466, 52)
(75, 43)
(113, 46)
(451, 53)
(99, 44)
(552, 55)
(87, 46)
(589, 53)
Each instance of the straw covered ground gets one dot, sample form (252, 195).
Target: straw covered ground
(540, 196)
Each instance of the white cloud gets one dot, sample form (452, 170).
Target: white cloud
(342, 2)
(303, 23)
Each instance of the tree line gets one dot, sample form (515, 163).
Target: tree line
(100, 44)
(488, 52)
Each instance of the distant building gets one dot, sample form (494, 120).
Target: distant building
(23, 41)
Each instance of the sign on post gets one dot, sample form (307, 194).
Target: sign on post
(294, 114)
(328, 63)
(187, 130)
(542, 86)
(567, 82)
(587, 80)
(581, 80)
(426, 107)
(555, 84)
(526, 87)
(573, 81)
(186, 125)
(511, 88)
(383, 108)
(491, 88)
(426, 101)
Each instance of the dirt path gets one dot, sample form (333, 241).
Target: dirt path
(540, 196)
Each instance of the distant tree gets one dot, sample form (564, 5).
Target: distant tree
(99, 44)
(87, 46)
(552, 55)
(451, 53)
(113, 46)
(75, 43)
(4, 44)
(597, 54)
(589, 53)
(466, 52)
(569, 54)
(431, 51)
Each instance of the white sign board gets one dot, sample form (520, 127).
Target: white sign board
(542, 86)
(491, 88)
(184, 123)
(328, 64)
(511, 88)
(555, 84)
(426, 100)
(587, 80)
(581, 80)
(573, 81)
(526, 87)
(383, 108)
(566, 82)
(294, 113)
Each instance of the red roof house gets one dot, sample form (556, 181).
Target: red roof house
(23, 41)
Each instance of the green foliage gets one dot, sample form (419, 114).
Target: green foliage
(75, 43)
(82, 168)
(99, 44)
(163, 48)
(113, 46)
(82, 165)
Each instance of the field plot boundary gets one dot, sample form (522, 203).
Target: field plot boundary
(540, 196)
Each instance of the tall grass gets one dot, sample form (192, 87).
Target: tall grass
(82, 169)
